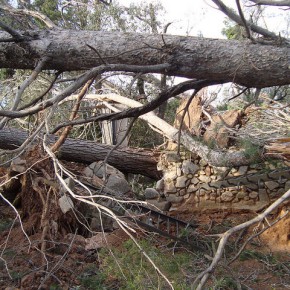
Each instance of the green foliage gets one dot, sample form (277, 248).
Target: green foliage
(94, 282)
(143, 136)
(133, 271)
(233, 30)
(252, 151)
(225, 283)
(170, 113)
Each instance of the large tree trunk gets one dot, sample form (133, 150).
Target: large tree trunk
(251, 65)
(128, 160)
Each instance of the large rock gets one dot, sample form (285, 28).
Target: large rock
(98, 168)
(115, 182)
(118, 185)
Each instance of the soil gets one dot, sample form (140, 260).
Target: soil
(24, 266)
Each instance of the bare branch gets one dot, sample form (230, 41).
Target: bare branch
(78, 83)
(136, 112)
(244, 20)
(35, 14)
(272, 2)
(232, 15)
(203, 277)
(24, 85)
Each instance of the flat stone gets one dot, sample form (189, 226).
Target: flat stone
(151, 193)
(204, 178)
(189, 167)
(252, 186)
(194, 180)
(227, 196)
(243, 170)
(181, 181)
(253, 195)
(192, 188)
(272, 184)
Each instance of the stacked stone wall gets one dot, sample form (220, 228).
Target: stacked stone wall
(184, 185)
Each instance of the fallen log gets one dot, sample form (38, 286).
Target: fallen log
(126, 159)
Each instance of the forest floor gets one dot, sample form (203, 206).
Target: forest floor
(74, 262)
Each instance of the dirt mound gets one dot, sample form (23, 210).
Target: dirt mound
(278, 237)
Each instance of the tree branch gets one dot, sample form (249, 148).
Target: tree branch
(272, 2)
(34, 14)
(260, 30)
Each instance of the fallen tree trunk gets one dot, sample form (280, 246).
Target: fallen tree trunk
(248, 64)
(127, 160)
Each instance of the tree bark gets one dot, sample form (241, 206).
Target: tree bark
(251, 65)
(127, 160)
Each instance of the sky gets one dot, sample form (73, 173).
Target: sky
(200, 17)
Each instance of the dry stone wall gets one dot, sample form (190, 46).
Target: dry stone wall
(184, 186)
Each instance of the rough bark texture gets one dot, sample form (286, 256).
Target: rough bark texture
(128, 160)
(248, 64)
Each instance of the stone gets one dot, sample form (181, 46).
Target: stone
(182, 192)
(170, 175)
(241, 195)
(189, 176)
(172, 157)
(192, 188)
(174, 199)
(253, 194)
(272, 184)
(70, 184)
(178, 171)
(169, 187)
(252, 186)
(151, 193)
(189, 167)
(161, 205)
(201, 172)
(243, 170)
(204, 178)
(207, 171)
(118, 184)
(160, 185)
(202, 162)
(18, 165)
(182, 181)
(98, 169)
(263, 195)
(65, 203)
(227, 196)
(194, 180)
